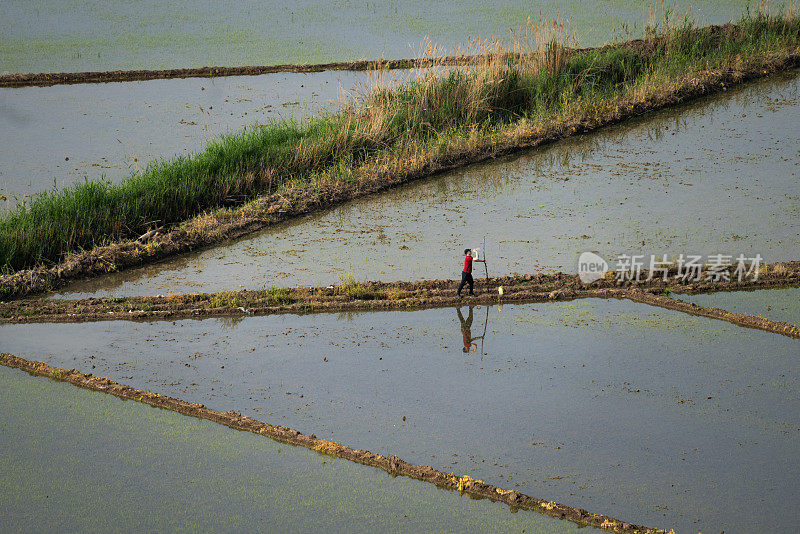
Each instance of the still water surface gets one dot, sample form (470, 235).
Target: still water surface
(644, 414)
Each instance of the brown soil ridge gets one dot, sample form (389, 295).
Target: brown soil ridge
(392, 464)
(65, 78)
(228, 224)
(739, 319)
(381, 296)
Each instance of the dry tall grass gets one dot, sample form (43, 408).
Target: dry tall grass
(440, 97)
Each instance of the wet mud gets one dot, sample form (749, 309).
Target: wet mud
(392, 464)
(62, 78)
(365, 296)
(228, 224)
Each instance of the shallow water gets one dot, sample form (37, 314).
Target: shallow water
(81, 461)
(716, 177)
(64, 134)
(776, 304)
(47, 36)
(645, 414)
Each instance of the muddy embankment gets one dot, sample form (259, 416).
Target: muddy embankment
(231, 223)
(366, 296)
(392, 464)
(739, 319)
(64, 78)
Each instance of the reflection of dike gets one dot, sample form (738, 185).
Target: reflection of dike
(111, 281)
(568, 154)
(468, 340)
(682, 119)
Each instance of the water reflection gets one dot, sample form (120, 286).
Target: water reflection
(555, 394)
(468, 340)
(230, 322)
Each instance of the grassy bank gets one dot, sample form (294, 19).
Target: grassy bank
(440, 115)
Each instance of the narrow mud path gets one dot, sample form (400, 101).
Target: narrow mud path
(64, 78)
(231, 223)
(392, 465)
(374, 296)
(739, 319)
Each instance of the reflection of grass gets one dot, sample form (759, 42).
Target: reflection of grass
(433, 120)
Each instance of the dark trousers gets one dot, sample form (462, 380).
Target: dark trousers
(466, 278)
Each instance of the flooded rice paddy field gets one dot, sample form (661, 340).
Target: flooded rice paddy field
(645, 414)
(776, 304)
(130, 467)
(50, 36)
(717, 176)
(649, 415)
(67, 133)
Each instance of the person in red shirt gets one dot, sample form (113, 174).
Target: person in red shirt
(466, 274)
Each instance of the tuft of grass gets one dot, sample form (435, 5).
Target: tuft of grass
(352, 288)
(226, 299)
(777, 269)
(177, 298)
(396, 294)
(443, 113)
(277, 296)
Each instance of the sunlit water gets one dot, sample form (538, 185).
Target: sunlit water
(649, 415)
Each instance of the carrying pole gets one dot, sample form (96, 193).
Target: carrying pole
(485, 324)
(485, 268)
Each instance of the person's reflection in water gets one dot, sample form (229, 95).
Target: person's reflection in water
(466, 331)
